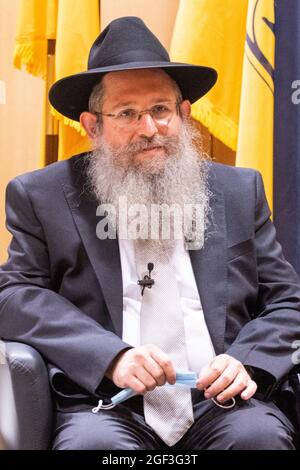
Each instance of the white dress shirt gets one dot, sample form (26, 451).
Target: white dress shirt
(200, 349)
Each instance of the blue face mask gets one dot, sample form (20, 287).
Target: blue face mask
(187, 379)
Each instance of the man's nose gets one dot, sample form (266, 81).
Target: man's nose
(147, 125)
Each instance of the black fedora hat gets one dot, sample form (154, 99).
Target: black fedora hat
(125, 44)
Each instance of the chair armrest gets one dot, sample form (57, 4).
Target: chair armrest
(26, 410)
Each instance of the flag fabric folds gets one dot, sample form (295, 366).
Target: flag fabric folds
(255, 136)
(287, 129)
(74, 24)
(78, 24)
(212, 33)
(36, 24)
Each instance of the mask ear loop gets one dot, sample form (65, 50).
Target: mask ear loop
(100, 406)
(115, 400)
(226, 407)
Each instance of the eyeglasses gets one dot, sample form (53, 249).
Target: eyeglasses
(161, 113)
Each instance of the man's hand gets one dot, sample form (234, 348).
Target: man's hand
(224, 378)
(142, 369)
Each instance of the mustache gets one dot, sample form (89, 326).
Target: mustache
(169, 143)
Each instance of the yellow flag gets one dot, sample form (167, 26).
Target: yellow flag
(212, 33)
(36, 24)
(255, 140)
(75, 25)
(78, 25)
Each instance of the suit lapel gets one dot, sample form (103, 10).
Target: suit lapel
(210, 270)
(103, 254)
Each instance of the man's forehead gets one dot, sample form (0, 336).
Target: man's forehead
(137, 78)
(143, 87)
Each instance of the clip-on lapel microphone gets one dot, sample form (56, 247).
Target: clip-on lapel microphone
(147, 281)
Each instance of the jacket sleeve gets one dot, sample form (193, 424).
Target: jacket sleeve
(266, 342)
(33, 313)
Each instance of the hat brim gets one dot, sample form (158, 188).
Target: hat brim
(70, 95)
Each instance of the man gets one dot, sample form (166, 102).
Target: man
(224, 303)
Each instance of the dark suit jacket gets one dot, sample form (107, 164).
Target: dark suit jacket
(61, 288)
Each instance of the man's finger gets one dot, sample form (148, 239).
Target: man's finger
(211, 372)
(165, 363)
(136, 385)
(155, 370)
(249, 390)
(223, 381)
(239, 384)
(147, 379)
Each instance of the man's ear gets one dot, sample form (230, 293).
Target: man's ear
(185, 108)
(89, 123)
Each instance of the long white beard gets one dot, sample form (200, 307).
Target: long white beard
(177, 181)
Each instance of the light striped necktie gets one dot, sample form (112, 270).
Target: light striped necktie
(168, 410)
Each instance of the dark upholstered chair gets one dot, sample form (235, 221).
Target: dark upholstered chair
(25, 401)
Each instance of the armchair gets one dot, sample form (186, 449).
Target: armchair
(25, 400)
